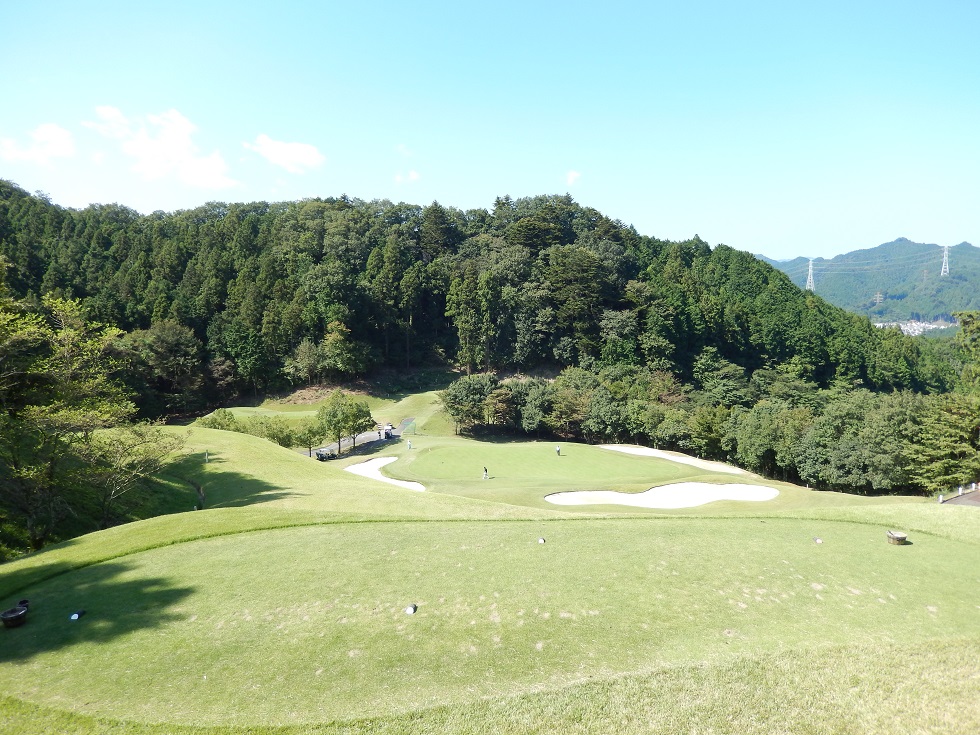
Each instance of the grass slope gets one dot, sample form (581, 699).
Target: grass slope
(281, 608)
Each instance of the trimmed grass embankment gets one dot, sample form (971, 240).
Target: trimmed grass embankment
(307, 624)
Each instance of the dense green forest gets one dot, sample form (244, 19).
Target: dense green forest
(896, 281)
(237, 297)
(677, 344)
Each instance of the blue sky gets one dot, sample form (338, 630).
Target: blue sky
(779, 128)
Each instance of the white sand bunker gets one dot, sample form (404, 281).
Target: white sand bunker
(372, 469)
(678, 495)
(703, 464)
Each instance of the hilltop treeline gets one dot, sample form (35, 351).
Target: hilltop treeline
(228, 298)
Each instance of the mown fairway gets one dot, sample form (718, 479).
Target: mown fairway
(282, 609)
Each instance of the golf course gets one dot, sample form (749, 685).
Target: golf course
(305, 598)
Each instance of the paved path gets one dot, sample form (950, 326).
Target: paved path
(363, 439)
(970, 498)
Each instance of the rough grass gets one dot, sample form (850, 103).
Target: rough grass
(280, 609)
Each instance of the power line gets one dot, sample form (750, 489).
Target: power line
(860, 267)
(843, 260)
(865, 266)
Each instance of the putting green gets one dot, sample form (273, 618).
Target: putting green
(536, 463)
(524, 473)
(308, 624)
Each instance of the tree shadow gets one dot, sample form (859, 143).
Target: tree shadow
(490, 435)
(116, 601)
(399, 384)
(371, 448)
(388, 383)
(13, 583)
(251, 400)
(199, 459)
(224, 488)
(235, 490)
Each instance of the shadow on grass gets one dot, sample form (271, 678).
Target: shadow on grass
(399, 384)
(13, 583)
(389, 383)
(492, 435)
(371, 448)
(368, 446)
(224, 488)
(115, 602)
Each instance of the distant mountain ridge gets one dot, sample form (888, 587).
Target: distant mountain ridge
(895, 281)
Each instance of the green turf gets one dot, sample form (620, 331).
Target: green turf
(219, 627)
(280, 608)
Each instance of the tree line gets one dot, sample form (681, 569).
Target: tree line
(231, 298)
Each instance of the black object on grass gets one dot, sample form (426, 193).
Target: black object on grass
(14, 617)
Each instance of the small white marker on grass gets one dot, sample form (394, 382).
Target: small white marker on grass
(817, 540)
(410, 610)
(540, 540)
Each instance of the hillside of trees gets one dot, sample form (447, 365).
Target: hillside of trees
(896, 281)
(678, 344)
(231, 298)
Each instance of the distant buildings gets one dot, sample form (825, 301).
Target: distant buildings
(913, 328)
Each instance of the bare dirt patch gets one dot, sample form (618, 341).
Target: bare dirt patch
(317, 393)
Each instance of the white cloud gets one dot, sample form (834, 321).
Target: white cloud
(571, 177)
(294, 157)
(162, 146)
(114, 124)
(410, 178)
(48, 141)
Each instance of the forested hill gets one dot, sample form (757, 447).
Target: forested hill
(896, 281)
(232, 297)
